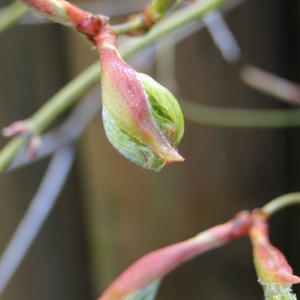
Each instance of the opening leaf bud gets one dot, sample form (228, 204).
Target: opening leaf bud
(141, 118)
(273, 271)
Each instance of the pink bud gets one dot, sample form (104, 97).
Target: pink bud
(141, 118)
(270, 264)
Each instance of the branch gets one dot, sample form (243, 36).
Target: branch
(63, 12)
(281, 202)
(45, 116)
(270, 84)
(238, 117)
(67, 133)
(36, 214)
(11, 14)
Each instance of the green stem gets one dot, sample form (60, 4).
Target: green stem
(11, 14)
(281, 202)
(63, 99)
(174, 21)
(76, 88)
(136, 24)
(146, 19)
(158, 8)
(240, 118)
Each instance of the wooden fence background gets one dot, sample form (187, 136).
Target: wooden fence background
(111, 212)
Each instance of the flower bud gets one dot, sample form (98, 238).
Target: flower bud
(142, 119)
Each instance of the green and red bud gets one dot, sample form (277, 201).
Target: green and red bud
(142, 119)
(273, 271)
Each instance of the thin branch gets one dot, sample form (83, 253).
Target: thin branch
(281, 202)
(171, 23)
(11, 14)
(239, 118)
(222, 36)
(132, 26)
(68, 132)
(36, 214)
(45, 116)
(63, 12)
(112, 8)
(143, 21)
(271, 84)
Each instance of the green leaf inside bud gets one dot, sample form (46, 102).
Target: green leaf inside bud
(165, 109)
(130, 147)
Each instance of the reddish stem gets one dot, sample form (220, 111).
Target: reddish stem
(62, 11)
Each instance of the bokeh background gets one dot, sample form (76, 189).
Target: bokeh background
(110, 211)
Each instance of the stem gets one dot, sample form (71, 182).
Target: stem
(240, 118)
(63, 12)
(11, 14)
(270, 84)
(281, 202)
(169, 24)
(76, 88)
(135, 24)
(63, 99)
(156, 10)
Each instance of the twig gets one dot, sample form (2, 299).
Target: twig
(270, 84)
(67, 133)
(240, 118)
(36, 214)
(63, 12)
(222, 36)
(11, 14)
(281, 202)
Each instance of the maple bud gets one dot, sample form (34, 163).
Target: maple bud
(273, 271)
(141, 118)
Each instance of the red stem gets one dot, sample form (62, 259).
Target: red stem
(85, 22)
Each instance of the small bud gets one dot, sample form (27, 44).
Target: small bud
(273, 271)
(18, 127)
(23, 128)
(142, 119)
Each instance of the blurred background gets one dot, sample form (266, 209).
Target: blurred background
(110, 211)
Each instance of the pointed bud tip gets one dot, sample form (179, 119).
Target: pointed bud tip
(174, 157)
